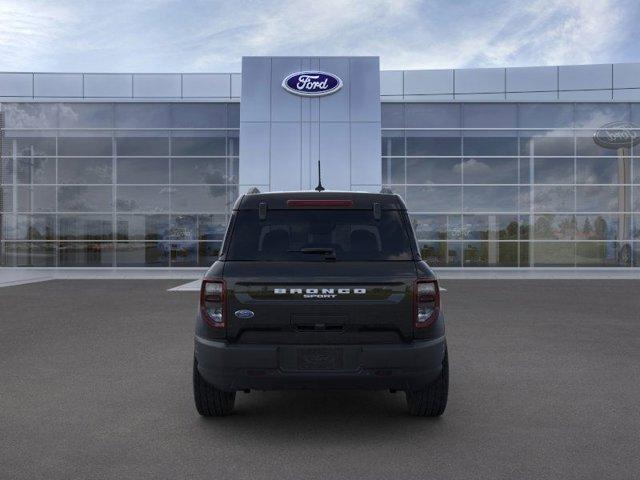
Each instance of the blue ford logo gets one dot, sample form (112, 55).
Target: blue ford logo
(244, 313)
(312, 83)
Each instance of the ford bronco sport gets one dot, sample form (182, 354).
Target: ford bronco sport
(320, 290)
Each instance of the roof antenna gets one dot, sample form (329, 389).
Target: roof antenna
(319, 188)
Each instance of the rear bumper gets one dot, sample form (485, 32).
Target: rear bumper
(280, 367)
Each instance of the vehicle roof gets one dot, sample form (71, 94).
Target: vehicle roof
(361, 200)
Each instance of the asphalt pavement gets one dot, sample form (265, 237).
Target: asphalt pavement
(95, 382)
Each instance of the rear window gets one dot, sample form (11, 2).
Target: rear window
(319, 235)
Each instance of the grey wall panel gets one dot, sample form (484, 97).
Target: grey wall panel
(335, 107)
(626, 75)
(583, 77)
(334, 155)
(255, 149)
(364, 81)
(479, 80)
(365, 166)
(391, 82)
(480, 97)
(586, 95)
(108, 85)
(285, 107)
(236, 85)
(532, 96)
(256, 89)
(285, 154)
(16, 84)
(57, 85)
(427, 98)
(425, 82)
(206, 85)
(284, 135)
(630, 94)
(157, 85)
(532, 79)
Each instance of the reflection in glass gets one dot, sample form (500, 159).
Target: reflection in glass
(208, 253)
(392, 143)
(434, 170)
(490, 144)
(211, 227)
(36, 227)
(545, 115)
(546, 144)
(204, 146)
(553, 170)
(142, 254)
(554, 199)
(85, 227)
(392, 115)
(553, 254)
(490, 227)
(434, 199)
(142, 227)
(603, 199)
(36, 170)
(142, 115)
(490, 170)
(142, 170)
(85, 199)
(32, 146)
(603, 254)
(38, 198)
(142, 198)
(37, 254)
(437, 227)
(602, 226)
(85, 254)
(433, 143)
(490, 254)
(199, 170)
(146, 146)
(200, 199)
(393, 170)
(490, 199)
(93, 146)
(554, 227)
(84, 115)
(603, 170)
(199, 115)
(442, 254)
(85, 170)
(30, 115)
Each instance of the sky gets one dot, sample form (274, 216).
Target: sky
(212, 36)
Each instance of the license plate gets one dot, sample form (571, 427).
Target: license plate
(320, 359)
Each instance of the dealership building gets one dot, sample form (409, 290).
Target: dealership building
(521, 168)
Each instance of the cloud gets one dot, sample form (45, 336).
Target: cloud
(168, 35)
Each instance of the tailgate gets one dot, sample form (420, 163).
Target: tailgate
(319, 302)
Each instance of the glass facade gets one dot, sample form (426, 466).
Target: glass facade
(116, 184)
(515, 184)
(135, 184)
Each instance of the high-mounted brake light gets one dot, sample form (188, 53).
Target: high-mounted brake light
(319, 203)
(213, 295)
(426, 303)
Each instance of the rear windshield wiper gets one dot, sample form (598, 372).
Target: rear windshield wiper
(330, 253)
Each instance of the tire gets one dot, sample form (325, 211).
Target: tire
(210, 402)
(432, 401)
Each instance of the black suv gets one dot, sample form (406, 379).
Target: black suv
(320, 290)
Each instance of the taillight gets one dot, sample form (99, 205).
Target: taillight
(427, 303)
(319, 203)
(212, 302)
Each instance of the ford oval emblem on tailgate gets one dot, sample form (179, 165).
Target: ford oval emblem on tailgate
(244, 313)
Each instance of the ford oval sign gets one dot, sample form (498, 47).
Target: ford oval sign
(617, 135)
(244, 314)
(312, 83)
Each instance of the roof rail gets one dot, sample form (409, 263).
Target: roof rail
(253, 190)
